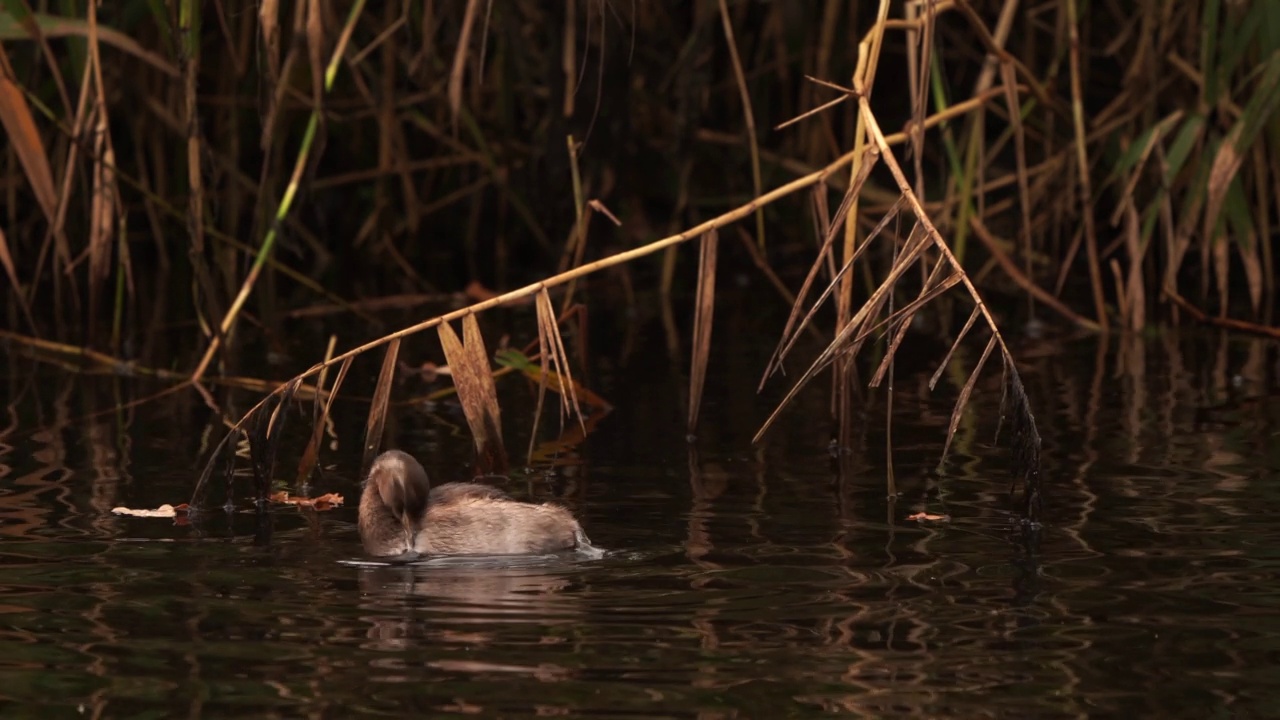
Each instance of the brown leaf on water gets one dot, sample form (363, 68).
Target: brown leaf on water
(165, 510)
(327, 501)
(929, 517)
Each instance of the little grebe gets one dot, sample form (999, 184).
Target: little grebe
(400, 513)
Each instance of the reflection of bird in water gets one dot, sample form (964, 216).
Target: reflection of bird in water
(481, 586)
(401, 514)
(456, 602)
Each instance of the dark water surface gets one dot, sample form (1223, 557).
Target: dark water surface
(771, 582)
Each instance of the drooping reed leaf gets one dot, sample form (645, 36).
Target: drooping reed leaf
(472, 376)
(378, 407)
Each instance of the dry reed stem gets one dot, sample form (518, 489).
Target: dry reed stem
(822, 224)
(930, 290)
(762, 264)
(544, 351)
(789, 339)
(833, 286)
(1024, 281)
(320, 416)
(553, 362)
(919, 67)
(550, 329)
(1007, 81)
(6, 259)
(269, 28)
(1082, 164)
(84, 360)
(105, 203)
(995, 46)
(1134, 288)
(1222, 322)
(748, 115)
(31, 24)
(44, 27)
(963, 399)
(458, 71)
(810, 113)
(575, 249)
(314, 34)
(873, 129)
(951, 351)
(790, 330)
(703, 316)
(864, 76)
(846, 343)
(24, 138)
(848, 339)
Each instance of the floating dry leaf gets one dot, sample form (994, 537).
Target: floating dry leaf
(165, 510)
(322, 502)
(929, 517)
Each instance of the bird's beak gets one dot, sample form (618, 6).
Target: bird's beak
(407, 524)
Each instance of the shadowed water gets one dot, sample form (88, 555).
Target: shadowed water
(739, 582)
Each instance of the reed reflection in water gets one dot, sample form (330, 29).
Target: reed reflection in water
(741, 582)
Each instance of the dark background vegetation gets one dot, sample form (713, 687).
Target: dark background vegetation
(151, 151)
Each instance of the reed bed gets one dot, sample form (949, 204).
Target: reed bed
(218, 166)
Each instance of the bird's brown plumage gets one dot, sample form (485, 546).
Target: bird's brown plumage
(400, 513)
